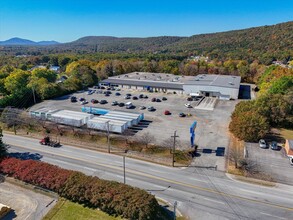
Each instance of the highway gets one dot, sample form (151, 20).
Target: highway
(200, 193)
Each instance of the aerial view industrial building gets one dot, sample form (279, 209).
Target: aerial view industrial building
(221, 86)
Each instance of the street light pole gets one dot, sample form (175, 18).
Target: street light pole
(108, 136)
(175, 205)
(124, 170)
(174, 144)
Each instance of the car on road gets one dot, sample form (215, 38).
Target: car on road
(154, 99)
(127, 97)
(94, 101)
(121, 104)
(164, 99)
(117, 93)
(182, 115)
(134, 98)
(262, 143)
(114, 103)
(167, 112)
(151, 109)
(142, 107)
(274, 145)
(84, 102)
(187, 105)
(103, 102)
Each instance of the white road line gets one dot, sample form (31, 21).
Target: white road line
(212, 200)
(274, 216)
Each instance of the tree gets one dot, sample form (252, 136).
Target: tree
(3, 147)
(146, 139)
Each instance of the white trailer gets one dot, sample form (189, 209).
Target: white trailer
(140, 116)
(76, 119)
(133, 119)
(129, 122)
(115, 126)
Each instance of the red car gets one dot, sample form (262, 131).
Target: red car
(166, 112)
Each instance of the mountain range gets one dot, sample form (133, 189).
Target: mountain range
(25, 42)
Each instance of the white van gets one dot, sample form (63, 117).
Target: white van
(128, 105)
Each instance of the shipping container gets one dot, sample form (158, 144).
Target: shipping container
(133, 121)
(140, 116)
(71, 118)
(127, 121)
(98, 123)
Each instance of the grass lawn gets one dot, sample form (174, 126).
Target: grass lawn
(66, 210)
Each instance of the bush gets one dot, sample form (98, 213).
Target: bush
(111, 197)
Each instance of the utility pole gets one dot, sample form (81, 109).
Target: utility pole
(175, 205)
(174, 144)
(34, 95)
(124, 170)
(108, 136)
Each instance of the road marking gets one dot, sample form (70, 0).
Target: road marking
(171, 181)
(263, 213)
(212, 200)
(192, 178)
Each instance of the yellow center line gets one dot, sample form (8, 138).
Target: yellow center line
(167, 180)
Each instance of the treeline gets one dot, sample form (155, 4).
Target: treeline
(262, 44)
(109, 196)
(252, 120)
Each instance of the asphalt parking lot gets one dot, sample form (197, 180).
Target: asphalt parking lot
(211, 131)
(25, 204)
(275, 163)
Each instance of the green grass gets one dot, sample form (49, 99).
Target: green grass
(66, 210)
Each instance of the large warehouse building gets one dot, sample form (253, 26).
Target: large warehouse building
(222, 86)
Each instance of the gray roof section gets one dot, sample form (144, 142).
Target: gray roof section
(136, 82)
(215, 80)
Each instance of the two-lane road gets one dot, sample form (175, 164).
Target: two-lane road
(200, 193)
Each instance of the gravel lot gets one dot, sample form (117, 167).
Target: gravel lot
(26, 204)
(211, 131)
(272, 162)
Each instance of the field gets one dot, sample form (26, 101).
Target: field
(66, 210)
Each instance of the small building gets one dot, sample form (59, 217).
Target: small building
(55, 68)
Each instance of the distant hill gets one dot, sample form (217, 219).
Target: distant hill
(266, 43)
(25, 42)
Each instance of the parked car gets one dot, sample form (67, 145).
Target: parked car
(189, 99)
(142, 107)
(107, 94)
(81, 99)
(73, 99)
(134, 98)
(103, 102)
(109, 88)
(274, 145)
(127, 97)
(158, 100)
(182, 115)
(117, 93)
(118, 89)
(151, 109)
(99, 91)
(128, 94)
(166, 112)
(121, 104)
(114, 103)
(262, 143)
(145, 97)
(113, 89)
(187, 105)
(94, 101)
(141, 96)
(102, 87)
(164, 99)
(96, 87)
(90, 92)
(154, 99)
(84, 102)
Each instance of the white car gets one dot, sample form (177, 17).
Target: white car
(262, 143)
(187, 105)
(84, 102)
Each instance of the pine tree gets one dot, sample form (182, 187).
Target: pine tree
(3, 147)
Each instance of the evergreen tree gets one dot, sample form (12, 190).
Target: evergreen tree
(3, 147)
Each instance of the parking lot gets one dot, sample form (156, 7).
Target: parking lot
(274, 163)
(211, 131)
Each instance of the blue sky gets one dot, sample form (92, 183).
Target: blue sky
(68, 20)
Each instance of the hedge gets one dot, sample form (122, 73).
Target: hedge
(111, 197)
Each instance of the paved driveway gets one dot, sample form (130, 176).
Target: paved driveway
(274, 163)
(25, 204)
